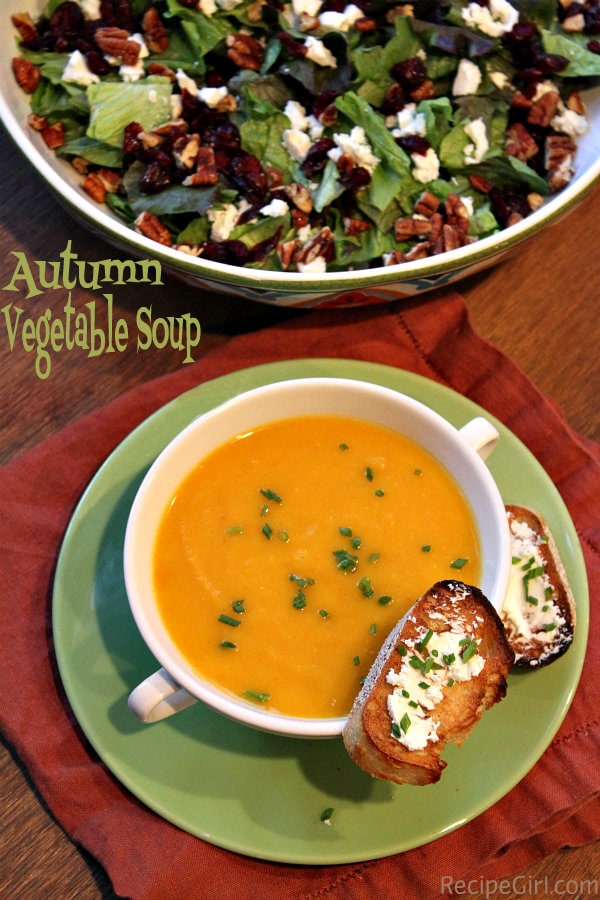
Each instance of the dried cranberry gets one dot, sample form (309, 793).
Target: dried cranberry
(155, 177)
(322, 102)
(316, 158)
(247, 174)
(593, 46)
(414, 143)
(97, 62)
(356, 178)
(66, 24)
(233, 253)
(409, 73)
(131, 142)
(293, 47)
(394, 100)
(591, 16)
(117, 13)
(505, 203)
(263, 248)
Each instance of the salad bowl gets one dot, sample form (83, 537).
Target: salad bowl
(349, 280)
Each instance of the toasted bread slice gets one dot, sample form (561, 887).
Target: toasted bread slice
(539, 609)
(440, 667)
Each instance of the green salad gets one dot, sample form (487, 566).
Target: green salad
(313, 135)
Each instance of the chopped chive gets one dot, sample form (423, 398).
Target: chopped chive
(405, 722)
(373, 629)
(264, 510)
(326, 815)
(413, 703)
(417, 663)
(229, 645)
(526, 566)
(355, 543)
(323, 613)
(227, 620)
(544, 538)
(235, 529)
(369, 473)
(299, 601)
(267, 531)
(418, 472)
(450, 682)
(426, 548)
(430, 664)
(347, 532)
(238, 606)
(346, 562)
(401, 649)
(374, 557)
(405, 693)
(469, 650)
(271, 495)
(356, 660)
(396, 730)
(515, 560)
(449, 658)
(384, 600)
(364, 586)
(379, 493)
(284, 536)
(301, 582)
(343, 446)
(424, 640)
(550, 626)
(459, 563)
(259, 696)
(424, 685)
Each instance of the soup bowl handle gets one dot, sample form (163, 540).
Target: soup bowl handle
(158, 697)
(481, 435)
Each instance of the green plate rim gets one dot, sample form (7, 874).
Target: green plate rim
(309, 842)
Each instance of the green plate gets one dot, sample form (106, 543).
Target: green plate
(259, 794)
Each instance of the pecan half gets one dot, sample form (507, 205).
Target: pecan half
(151, 227)
(519, 143)
(116, 42)
(206, 169)
(27, 74)
(544, 109)
(54, 135)
(245, 51)
(321, 244)
(25, 26)
(558, 158)
(155, 33)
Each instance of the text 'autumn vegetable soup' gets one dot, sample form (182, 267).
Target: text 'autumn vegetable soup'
(287, 555)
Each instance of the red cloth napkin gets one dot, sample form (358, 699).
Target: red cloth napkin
(555, 804)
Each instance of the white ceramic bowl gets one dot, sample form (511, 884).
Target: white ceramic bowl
(343, 289)
(176, 685)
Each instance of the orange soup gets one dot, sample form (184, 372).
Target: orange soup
(288, 554)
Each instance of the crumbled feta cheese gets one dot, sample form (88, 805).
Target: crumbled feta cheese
(318, 52)
(208, 7)
(495, 19)
(296, 142)
(316, 267)
(223, 221)
(212, 96)
(409, 122)
(426, 166)
(475, 152)
(306, 7)
(296, 114)
(356, 146)
(134, 73)
(228, 5)
(340, 21)
(467, 79)
(499, 79)
(76, 70)
(275, 208)
(90, 9)
(186, 83)
(567, 121)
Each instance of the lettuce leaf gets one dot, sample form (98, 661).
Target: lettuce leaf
(113, 105)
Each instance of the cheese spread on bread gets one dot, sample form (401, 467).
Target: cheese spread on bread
(432, 662)
(538, 611)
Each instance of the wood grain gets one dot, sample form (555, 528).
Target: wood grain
(541, 308)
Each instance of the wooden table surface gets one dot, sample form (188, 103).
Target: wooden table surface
(541, 308)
